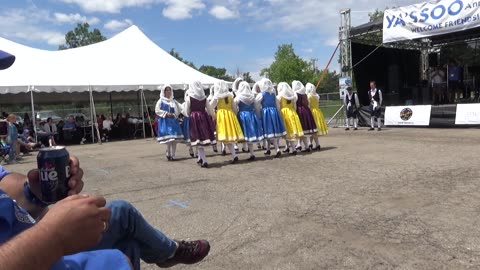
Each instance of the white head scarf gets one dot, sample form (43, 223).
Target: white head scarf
(255, 87)
(285, 91)
(212, 92)
(221, 90)
(245, 94)
(267, 86)
(236, 83)
(311, 89)
(298, 87)
(162, 92)
(196, 91)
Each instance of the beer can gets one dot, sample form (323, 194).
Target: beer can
(54, 169)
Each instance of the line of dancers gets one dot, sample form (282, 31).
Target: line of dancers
(250, 116)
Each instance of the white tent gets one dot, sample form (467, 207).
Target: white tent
(125, 62)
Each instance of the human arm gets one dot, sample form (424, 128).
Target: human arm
(186, 106)
(13, 185)
(210, 109)
(380, 98)
(214, 102)
(43, 244)
(235, 102)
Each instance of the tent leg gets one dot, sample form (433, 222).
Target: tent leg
(94, 113)
(149, 119)
(33, 118)
(143, 114)
(92, 117)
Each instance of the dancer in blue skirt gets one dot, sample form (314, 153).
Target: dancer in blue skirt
(169, 131)
(250, 122)
(273, 127)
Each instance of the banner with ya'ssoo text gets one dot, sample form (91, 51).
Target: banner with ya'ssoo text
(430, 19)
(418, 115)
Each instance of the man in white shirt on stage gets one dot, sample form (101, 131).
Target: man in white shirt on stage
(375, 97)
(351, 103)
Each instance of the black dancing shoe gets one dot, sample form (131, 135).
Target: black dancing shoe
(294, 153)
(267, 153)
(279, 154)
(298, 148)
(224, 153)
(317, 148)
(215, 148)
(205, 165)
(199, 162)
(347, 129)
(251, 158)
(235, 160)
(355, 129)
(370, 129)
(286, 150)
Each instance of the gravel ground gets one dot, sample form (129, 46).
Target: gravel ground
(396, 199)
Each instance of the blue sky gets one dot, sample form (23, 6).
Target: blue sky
(234, 34)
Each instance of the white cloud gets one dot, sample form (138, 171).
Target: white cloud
(222, 13)
(179, 10)
(29, 24)
(109, 6)
(75, 18)
(307, 50)
(115, 25)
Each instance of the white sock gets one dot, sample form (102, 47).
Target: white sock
(201, 155)
(316, 141)
(231, 146)
(292, 145)
(174, 149)
(169, 149)
(267, 145)
(298, 143)
(287, 144)
(379, 122)
(355, 122)
(372, 122)
(223, 147)
(305, 141)
(250, 148)
(275, 144)
(244, 145)
(348, 122)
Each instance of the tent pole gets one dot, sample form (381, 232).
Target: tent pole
(149, 119)
(34, 119)
(92, 117)
(143, 114)
(111, 105)
(94, 112)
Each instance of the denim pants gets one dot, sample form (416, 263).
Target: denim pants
(129, 232)
(13, 151)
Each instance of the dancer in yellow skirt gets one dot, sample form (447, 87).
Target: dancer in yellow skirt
(322, 128)
(229, 130)
(287, 99)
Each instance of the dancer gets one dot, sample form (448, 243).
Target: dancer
(235, 87)
(201, 128)
(375, 97)
(273, 126)
(185, 125)
(256, 90)
(322, 128)
(247, 114)
(305, 114)
(288, 99)
(228, 127)
(209, 99)
(351, 104)
(169, 131)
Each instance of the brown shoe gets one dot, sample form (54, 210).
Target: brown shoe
(188, 252)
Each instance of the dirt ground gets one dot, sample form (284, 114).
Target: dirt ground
(395, 199)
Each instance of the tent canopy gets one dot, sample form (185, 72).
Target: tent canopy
(126, 61)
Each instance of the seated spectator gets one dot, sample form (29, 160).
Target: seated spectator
(107, 128)
(71, 133)
(50, 129)
(81, 231)
(24, 145)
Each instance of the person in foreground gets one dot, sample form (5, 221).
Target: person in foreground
(80, 231)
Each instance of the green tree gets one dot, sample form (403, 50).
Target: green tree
(247, 77)
(376, 15)
(219, 73)
(329, 83)
(175, 54)
(81, 36)
(288, 66)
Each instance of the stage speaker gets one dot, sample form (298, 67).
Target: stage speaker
(393, 78)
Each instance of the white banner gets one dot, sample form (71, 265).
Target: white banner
(468, 114)
(408, 115)
(430, 19)
(343, 83)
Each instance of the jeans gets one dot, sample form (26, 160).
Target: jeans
(129, 232)
(13, 151)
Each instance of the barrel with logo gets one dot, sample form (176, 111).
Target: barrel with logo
(54, 169)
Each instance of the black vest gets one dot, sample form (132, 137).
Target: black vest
(376, 97)
(351, 100)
